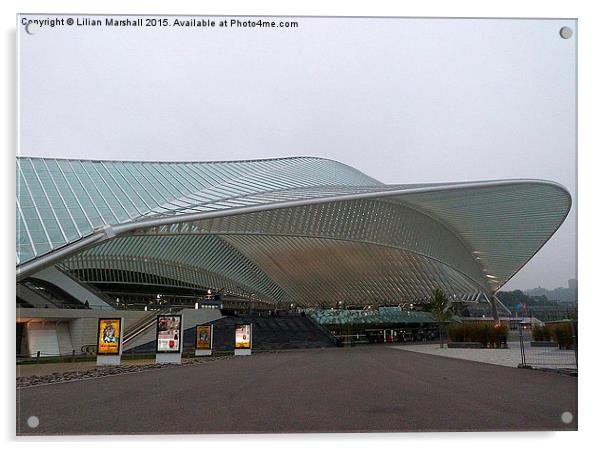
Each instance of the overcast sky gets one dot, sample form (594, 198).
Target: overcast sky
(403, 100)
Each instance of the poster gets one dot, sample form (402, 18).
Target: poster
(243, 336)
(169, 334)
(203, 337)
(109, 337)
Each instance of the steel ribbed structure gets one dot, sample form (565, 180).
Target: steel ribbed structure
(304, 230)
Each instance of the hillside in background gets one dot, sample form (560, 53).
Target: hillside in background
(561, 294)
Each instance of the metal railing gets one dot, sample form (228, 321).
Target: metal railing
(89, 286)
(39, 356)
(145, 323)
(555, 353)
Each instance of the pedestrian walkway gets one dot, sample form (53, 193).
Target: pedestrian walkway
(359, 389)
(509, 357)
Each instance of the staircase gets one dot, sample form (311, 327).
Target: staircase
(269, 333)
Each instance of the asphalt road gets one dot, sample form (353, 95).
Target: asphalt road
(359, 389)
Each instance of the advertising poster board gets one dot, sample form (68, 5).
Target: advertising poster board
(243, 339)
(169, 334)
(109, 336)
(204, 337)
(108, 341)
(203, 341)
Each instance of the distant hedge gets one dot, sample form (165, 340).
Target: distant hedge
(489, 335)
(541, 333)
(561, 333)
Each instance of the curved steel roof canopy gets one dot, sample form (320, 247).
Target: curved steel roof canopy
(305, 230)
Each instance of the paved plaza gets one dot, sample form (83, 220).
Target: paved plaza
(360, 389)
(551, 358)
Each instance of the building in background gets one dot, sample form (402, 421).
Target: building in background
(267, 234)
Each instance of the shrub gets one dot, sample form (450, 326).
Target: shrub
(537, 333)
(541, 333)
(456, 333)
(563, 335)
(498, 335)
(473, 332)
(487, 334)
(483, 332)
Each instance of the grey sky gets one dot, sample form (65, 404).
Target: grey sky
(403, 100)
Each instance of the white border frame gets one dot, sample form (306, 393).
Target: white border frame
(590, 72)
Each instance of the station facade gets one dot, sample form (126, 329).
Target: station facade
(287, 233)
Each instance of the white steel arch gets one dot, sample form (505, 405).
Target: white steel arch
(255, 224)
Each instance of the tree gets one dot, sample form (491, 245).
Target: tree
(440, 307)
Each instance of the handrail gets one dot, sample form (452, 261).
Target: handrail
(85, 349)
(59, 301)
(139, 323)
(39, 354)
(149, 321)
(45, 294)
(66, 271)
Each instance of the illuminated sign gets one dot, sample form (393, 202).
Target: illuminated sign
(243, 336)
(169, 334)
(109, 337)
(203, 337)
